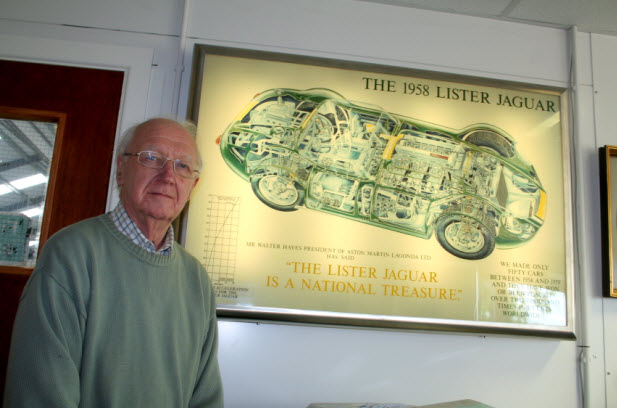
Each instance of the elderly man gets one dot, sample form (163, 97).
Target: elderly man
(116, 313)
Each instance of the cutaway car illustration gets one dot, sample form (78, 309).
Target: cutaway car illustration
(316, 149)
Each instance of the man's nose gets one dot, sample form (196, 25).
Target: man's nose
(168, 169)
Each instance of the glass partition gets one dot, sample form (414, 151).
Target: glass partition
(26, 149)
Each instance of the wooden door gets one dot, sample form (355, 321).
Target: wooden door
(85, 104)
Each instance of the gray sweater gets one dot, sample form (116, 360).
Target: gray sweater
(104, 323)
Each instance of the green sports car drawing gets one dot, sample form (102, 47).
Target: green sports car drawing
(316, 149)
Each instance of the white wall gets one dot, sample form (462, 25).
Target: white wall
(280, 365)
(604, 60)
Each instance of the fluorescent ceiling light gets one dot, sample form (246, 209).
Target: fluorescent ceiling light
(30, 181)
(23, 183)
(33, 212)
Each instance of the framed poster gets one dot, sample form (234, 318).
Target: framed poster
(608, 174)
(345, 193)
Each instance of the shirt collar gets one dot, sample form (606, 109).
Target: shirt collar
(129, 228)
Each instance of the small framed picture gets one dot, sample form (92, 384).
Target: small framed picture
(608, 174)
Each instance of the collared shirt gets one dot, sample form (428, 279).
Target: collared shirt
(128, 227)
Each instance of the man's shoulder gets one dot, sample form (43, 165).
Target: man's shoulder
(90, 228)
(187, 256)
(193, 266)
(67, 253)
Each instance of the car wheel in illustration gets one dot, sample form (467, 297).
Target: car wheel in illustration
(278, 192)
(464, 237)
(490, 140)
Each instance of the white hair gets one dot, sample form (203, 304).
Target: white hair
(129, 135)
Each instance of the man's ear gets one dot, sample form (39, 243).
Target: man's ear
(120, 171)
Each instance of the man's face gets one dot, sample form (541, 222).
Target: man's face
(156, 195)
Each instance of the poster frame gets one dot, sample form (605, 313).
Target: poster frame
(300, 316)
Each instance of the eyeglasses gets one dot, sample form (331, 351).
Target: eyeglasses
(156, 160)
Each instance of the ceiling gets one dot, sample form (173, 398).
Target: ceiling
(593, 16)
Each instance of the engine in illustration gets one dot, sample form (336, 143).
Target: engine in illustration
(316, 149)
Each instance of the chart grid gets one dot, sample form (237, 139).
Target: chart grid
(221, 238)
